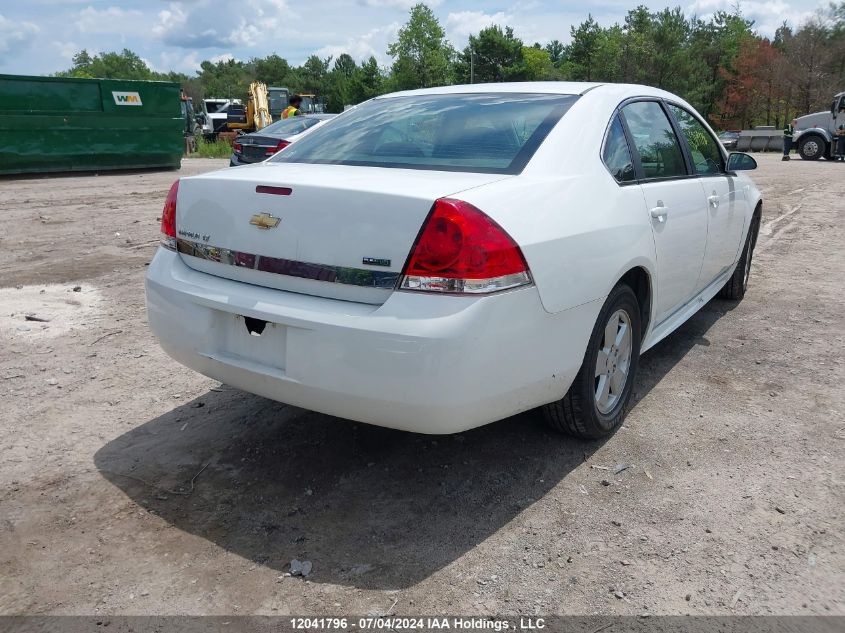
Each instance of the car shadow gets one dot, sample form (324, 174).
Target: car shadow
(371, 507)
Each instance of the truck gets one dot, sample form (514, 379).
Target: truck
(813, 135)
(215, 114)
(57, 124)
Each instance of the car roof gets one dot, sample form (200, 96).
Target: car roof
(540, 87)
(595, 93)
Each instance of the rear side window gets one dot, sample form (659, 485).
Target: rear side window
(487, 133)
(706, 155)
(616, 154)
(654, 140)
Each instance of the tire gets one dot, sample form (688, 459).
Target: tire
(812, 147)
(581, 412)
(735, 289)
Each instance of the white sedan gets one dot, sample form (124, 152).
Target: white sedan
(438, 259)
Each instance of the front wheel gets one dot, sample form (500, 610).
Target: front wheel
(811, 147)
(597, 400)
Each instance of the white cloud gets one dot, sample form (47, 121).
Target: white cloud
(768, 15)
(109, 20)
(66, 50)
(374, 42)
(208, 24)
(15, 36)
(461, 24)
(398, 4)
(178, 61)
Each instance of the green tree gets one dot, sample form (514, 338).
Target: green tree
(538, 64)
(607, 60)
(314, 75)
(582, 51)
(271, 70)
(341, 83)
(123, 65)
(226, 78)
(492, 55)
(670, 58)
(422, 55)
(555, 49)
(369, 81)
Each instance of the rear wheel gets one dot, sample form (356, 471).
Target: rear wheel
(811, 147)
(597, 400)
(735, 289)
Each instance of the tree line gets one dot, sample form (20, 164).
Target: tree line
(733, 75)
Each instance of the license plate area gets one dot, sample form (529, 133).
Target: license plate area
(254, 153)
(266, 346)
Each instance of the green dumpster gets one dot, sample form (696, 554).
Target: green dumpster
(61, 124)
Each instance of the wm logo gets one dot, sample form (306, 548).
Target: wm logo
(127, 98)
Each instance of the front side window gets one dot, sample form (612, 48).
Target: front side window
(654, 140)
(487, 133)
(706, 155)
(616, 154)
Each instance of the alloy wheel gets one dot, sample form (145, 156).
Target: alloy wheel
(613, 361)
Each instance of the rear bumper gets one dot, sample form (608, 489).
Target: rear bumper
(235, 161)
(423, 363)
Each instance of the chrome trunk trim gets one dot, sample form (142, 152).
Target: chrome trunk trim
(289, 267)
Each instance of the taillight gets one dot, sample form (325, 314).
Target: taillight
(168, 218)
(461, 250)
(272, 150)
(237, 147)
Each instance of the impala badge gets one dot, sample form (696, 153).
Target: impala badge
(265, 221)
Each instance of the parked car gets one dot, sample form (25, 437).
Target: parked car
(438, 259)
(258, 146)
(729, 139)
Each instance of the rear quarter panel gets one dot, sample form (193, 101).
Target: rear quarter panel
(579, 230)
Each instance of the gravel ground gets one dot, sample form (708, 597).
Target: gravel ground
(130, 485)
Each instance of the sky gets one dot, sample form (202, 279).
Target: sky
(40, 36)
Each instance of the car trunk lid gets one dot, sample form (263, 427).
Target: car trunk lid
(255, 148)
(334, 231)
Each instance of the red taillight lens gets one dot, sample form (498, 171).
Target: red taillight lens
(282, 145)
(168, 218)
(461, 250)
(237, 148)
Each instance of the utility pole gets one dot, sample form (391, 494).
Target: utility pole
(471, 65)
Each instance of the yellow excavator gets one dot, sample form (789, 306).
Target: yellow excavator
(255, 115)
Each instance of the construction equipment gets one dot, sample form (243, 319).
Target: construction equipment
(255, 116)
(72, 124)
(278, 98)
(311, 104)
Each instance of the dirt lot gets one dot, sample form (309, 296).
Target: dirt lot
(733, 503)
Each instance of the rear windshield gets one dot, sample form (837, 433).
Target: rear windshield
(487, 133)
(293, 125)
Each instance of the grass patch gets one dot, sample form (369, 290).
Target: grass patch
(214, 149)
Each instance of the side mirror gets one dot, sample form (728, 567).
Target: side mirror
(738, 161)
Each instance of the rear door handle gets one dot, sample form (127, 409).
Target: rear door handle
(714, 201)
(660, 212)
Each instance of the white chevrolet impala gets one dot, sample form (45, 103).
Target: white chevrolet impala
(439, 259)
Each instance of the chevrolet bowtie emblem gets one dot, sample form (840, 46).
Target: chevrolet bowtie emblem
(265, 221)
